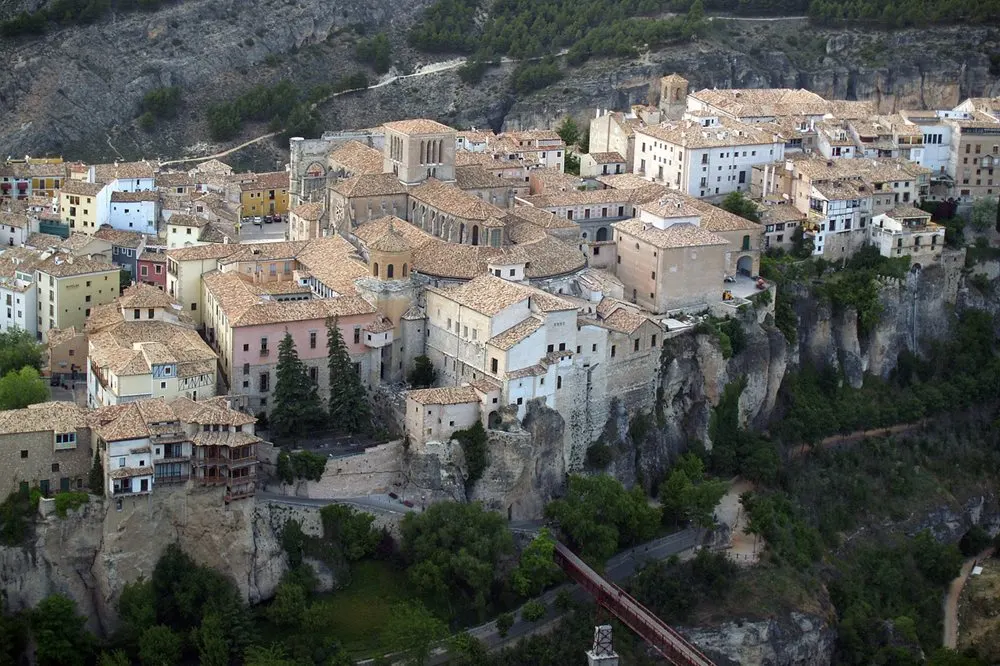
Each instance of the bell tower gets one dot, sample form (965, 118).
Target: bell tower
(673, 96)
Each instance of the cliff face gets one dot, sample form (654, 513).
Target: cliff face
(796, 639)
(93, 553)
(78, 90)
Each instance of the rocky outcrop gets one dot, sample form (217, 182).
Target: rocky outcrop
(94, 552)
(796, 639)
(78, 90)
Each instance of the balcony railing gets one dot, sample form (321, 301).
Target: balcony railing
(173, 479)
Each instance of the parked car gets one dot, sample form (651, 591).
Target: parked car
(393, 495)
(408, 503)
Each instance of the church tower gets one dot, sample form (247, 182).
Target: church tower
(673, 96)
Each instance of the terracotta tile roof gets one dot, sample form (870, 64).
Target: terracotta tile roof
(452, 201)
(904, 211)
(43, 417)
(476, 177)
(272, 180)
(133, 347)
(63, 265)
(241, 302)
(185, 220)
(224, 438)
(199, 252)
(174, 179)
(674, 236)
(308, 211)
(691, 134)
(607, 158)
(414, 313)
(669, 206)
(126, 197)
(749, 102)
(80, 188)
(516, 333)
(448, 395)
(486, 294)
(542, 218)
(373, 185)
(391, 241)
(485, 385)
(120, 238)
(718, 220)
(332, 261)
(141, 295)
(357, 158)
(154, 257)
(530, 371)
(59, 336)
(11, 219)
(105, 173)
(380, 325)
(623, 181)
(214, 411)
(418, 126)
(546, 302)
(214, 166)
(277, 251)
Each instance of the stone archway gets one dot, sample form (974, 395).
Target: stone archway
(602, 234)
(744, 265)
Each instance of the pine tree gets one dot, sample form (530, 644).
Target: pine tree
(349, 409)
(297, 409)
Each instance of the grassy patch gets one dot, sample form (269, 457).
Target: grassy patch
(357, 614)
(69, 500)
(766, 590)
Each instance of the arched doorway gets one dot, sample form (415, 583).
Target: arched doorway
(493, 420)
(602, 234)
(745, 265)
(475, 234)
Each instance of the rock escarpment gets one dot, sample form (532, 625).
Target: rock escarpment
(796, 639)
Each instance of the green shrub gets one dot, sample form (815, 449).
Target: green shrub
(300, 465)
(504, 622)
(70, 500)
(473, 441)
(376, 51)
(599, 456)
(974, 541)
(533, 611)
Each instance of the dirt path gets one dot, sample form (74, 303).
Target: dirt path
(859, 435)
(744, 547)
(950, 637)
(205, 158)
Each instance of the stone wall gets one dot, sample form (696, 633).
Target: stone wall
(378, 470)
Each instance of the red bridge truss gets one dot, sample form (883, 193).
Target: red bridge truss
(671, 645)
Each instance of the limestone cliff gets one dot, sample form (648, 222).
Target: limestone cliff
(78, 90)
(796, 639)
(94, 552)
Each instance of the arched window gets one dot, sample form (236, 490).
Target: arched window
(404, 270)
(389, 271)
(602, 234)
(461, 233)
(475, 234)
(423, 152)
(375, 269)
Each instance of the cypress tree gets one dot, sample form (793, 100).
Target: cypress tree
(349, 409)
(297, 409)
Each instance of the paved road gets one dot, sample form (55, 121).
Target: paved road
(250, 232)
(378, 502)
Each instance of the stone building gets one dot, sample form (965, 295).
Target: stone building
(45, 446)
(907, 231)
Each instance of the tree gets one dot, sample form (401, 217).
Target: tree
(412, 629)
(537, 569)
(349, 409)
(454, 551)
(95, 478)
(288, 606)
(569, 131)
(474, 446)
(124, 280)
(271, 655)
(297, 409)
(159, 646)
(60, 637)
(18, 349)
(350, 531)
(376, 51)
(737, 204)
(115, 658)
(213, 646)
(984, 214)
(686, 496)
(533, 611)
(504, 622)
(22, 388)
(136, 610)
(599, 516)
(424, 373)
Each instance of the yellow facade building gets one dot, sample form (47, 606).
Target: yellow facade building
(69, 287)
(265, 195)
(79, 203)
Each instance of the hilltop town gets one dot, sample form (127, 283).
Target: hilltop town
(517, 280)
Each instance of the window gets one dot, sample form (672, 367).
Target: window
(149, 313)
(263, 346)
(613, 351)
(312, 339)
(635, 346)
(246, 347)
(24, 454)
(493, 368)
(194, 306)
(551, 348)
(652, 341)
(121, 461)
(246, 368)
(135, 313)
(357, 334)
(163, 385)
(265, 382)
(593, 347)
(558, 382)
(314, 375)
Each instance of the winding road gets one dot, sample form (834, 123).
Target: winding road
(950, 631)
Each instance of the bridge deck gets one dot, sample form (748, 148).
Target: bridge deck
(671, 645)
